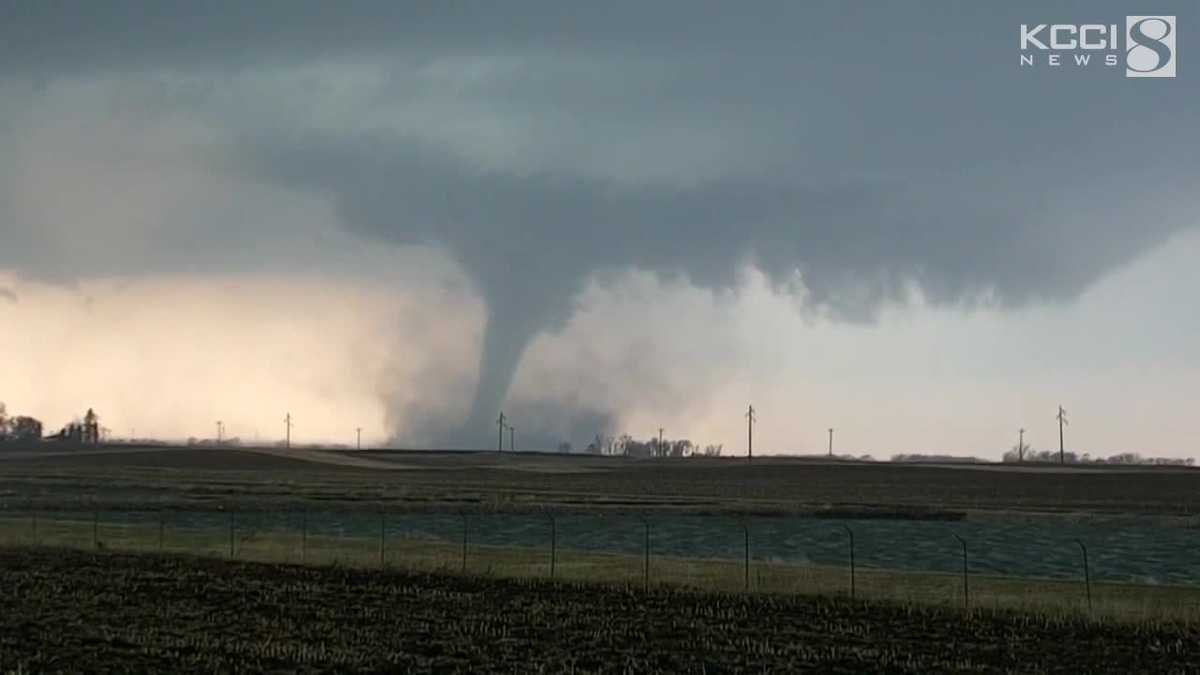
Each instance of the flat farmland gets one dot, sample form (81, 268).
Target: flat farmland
(73, 611)
(275, 478)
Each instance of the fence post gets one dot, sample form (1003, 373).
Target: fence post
(231, 533)
(646, 561)
(746, 531)
(96, 529)
(304, 536)
(851, 534)
(382, 539)
(966, 586)
(464, 542)
(161, 527)
(1087, 575)
(553, 542)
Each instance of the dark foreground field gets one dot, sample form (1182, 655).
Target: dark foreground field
(72, 612)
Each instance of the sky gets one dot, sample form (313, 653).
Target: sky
(599, 218)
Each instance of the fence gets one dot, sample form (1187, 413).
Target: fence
(966, 563)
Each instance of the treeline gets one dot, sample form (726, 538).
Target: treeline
(953, 459)
(18, 428)
(627, 446)
(1125, 458)
(231, 442)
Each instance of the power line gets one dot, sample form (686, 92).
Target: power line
(750, 419)
(1062, 421)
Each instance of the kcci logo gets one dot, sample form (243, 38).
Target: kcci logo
(1149, 48)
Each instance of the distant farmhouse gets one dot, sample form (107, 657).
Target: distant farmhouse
(86, 432)
(24, 429)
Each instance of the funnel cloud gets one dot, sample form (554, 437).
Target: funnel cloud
(531, 243)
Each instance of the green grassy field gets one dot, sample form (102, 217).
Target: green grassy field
(1112, 601)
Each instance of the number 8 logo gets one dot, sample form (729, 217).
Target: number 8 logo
(1150, 48)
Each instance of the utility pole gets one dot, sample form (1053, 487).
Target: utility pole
(660, 449)
(287, 440)
(500, 433)
(512, 445)
(1021, 447)
(219, 430)
(1062, 421)
(358, 439)
(750, 419)
(831, 442)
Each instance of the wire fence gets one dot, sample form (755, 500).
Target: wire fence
(1131, 572)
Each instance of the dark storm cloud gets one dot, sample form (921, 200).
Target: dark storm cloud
(43, 36)
(862, 147)
(532, 241)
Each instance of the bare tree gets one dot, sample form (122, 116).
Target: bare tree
(596, 447)
(623, 442)
(26, 429)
